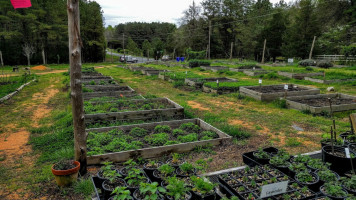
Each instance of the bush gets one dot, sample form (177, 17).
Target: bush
(324, 64)
(198, 63)
(196, 54)
(307, 62)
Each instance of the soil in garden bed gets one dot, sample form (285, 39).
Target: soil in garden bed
(276, 88)
(321, 102)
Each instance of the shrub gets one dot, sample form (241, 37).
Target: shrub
(196, 54)
(307, 62)
(324, 64)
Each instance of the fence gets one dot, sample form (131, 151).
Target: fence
(335, 58)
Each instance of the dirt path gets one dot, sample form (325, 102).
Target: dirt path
(39, 73)
(14, 146)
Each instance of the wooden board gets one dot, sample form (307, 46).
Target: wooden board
(177, 112)
(328, 81)
(299, 76)
(255, 72)
(155, 152)
(220, 90)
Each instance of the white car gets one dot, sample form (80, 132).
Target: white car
(165, 58)
(128, 59)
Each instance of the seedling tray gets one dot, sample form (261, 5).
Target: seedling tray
(199, 82)
(273, 92)
(174, 111)
(108, 88)
(255, 72)
(214, 68)
(328, 81)
(299, 76)
(317, 104)
(155, 152)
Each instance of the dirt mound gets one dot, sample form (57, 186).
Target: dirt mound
(40, 67)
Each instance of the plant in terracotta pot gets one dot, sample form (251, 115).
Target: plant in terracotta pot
(149, 191)
(203, 188)
(66, 172)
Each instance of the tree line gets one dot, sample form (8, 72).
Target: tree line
(39, 35)
(288, 28)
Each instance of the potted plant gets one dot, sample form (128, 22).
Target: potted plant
(150, 166)
(349, 184)
(130, 164)
(261, 156)
(113, 181)
(327, 141)
(333, 190)
(296, 167)
(185, 170)
(317, 164)
(202, 188)
(175, 161)
(300, 159)
(66, 172)
(104, 171)
(121, 193)
(308, 178)
(280, 162)
(149, 191)
(163, 171)
(336, 156)
(327, 175)
(134, 178)
(177, 189)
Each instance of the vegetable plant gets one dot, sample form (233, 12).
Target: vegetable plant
(334, 189)
(349, 183)
(305, 177)
(162, 129)
(157, 139)
(135, 177)
(190, 127)
(318, 164)
(186, 168)
(261, 154)
(297, 167)
(327, 175)
(176, 188)
(121, 193)
(138, 132)
(166, 170)
(278, 161)
(150, 191)
(202, 186)
(301, 159)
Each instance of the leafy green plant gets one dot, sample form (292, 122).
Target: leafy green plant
(176, 188)
(202, 186)
(278, 161)
(318, 164)
(166, 170)
(297, 167)
(190, 127)
(138, 132)
(150, 191)
(301, 159)
(261, 154)
(349, 183)
(209, 134)
(186, 167)
(305, 177)
(188, 138)
(177, 132)
(135, 177)
(121, 193)
(327, 175)
(162, 129)
(107, 169)
(157, 139)
(334, 189)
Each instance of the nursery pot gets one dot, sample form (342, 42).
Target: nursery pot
(178, 172)
(189, 196)
(322, 182)
(207, 197)
(339, 163)
(314, 185)
(101, 179)
(136, 197)
(181, 161)
(328, 142)
(331, 197)
(66, 177)
(262, 161)
(149, 171)
(107, 191)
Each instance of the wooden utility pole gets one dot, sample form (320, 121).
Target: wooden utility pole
(2, 61)
(264, 50)
(209, 40)
(232, 46)
(311, 50)
(75, 45)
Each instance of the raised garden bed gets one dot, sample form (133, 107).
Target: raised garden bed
(107, 88)
(246, 67)
(148, 151)
(199, 82)
(317, 80)
(97, 100)
(133, 110)
(317, 104)
(99, 82)
(299, 76)
(127, 91)
(225, 87)
(138, 68)
(214, 68)
(177, 76)
(255, 72)
(151, 72)
(99, 76)
(273, 92)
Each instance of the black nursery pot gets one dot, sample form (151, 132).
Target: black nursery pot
(315, 186)
(189, 194)
(207, 197)
(350, 191)
(179, 173)
(263, 161)
(169, 161)
(107, 191)
(331, 197)
(150, 170)
(339, 164)
(136, 192)
(101, 179)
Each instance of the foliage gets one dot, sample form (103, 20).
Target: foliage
(190, 127)
(307, 62)
(186, 167)
(349, 50)
(176, 188)
(157, 139)
(229, 85)
(196, 54)
(121, 193)
(349, 183)
(9, 85)
(278, 161)
(138, 132)
(166, 169)
(135, 177)
(327, 175)
(301, 158)
(150, 191)
(261, 154)
(162, 129)
(202, 185)
(305, 177)
(334, 189)
(188, 138)
(324, 64)
(318, 164)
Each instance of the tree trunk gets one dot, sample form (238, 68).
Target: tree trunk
(75, 44)
(312, 48)
(264, 50)
(2, 61)
(28, 61)
(43, 56)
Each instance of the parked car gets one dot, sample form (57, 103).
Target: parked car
(128, 59)
(165, 58)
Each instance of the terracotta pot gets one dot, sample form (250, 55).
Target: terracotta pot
(66, 177)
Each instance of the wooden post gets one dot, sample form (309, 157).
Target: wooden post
(353, 121)
(43, 56)
(2, 61)
(311, 50)
(75, 45)
(209, 40)
(264, 50)
(232, 46)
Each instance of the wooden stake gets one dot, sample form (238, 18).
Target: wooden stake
(353, 122)
(209, 40)
(232, 46)
(43, 56)
(311, 50)
(332, 139)
(264, 50)
(75, 45)
(331, 109)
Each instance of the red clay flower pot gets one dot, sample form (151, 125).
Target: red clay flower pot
(66, 177)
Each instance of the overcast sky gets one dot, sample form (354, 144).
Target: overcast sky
(122, 11)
